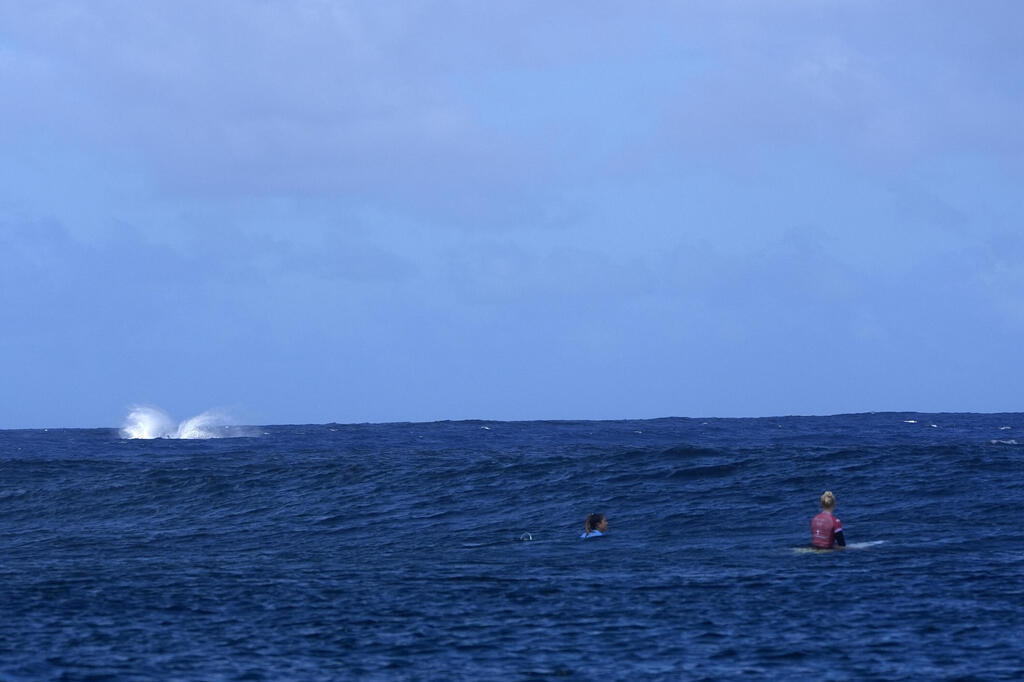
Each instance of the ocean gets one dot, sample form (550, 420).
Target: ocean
(451, 551)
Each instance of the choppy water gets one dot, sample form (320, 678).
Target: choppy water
(392, 552)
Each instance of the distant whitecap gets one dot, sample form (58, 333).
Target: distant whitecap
(145, 422)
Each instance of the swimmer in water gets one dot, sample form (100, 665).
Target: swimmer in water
(595, 526)
(826, 529)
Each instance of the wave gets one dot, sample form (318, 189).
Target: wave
(152, 422)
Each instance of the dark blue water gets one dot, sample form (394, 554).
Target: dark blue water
(391, 551)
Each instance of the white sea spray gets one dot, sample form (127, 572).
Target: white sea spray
(151, 422)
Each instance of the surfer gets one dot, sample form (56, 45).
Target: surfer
(826, 529)
(595, 526)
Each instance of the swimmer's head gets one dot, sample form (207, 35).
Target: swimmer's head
(596, 522)
(828, 500)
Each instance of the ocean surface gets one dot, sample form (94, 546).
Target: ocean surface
(397, 551)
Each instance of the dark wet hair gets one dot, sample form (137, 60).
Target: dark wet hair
(593, 521)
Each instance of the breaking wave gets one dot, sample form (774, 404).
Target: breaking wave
(152, 422)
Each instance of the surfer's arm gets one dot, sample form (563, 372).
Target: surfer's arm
(840, 539)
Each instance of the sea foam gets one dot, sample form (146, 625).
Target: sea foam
(152, 422)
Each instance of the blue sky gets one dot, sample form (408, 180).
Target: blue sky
(305, 212)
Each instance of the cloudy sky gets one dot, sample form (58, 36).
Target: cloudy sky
(306, 212)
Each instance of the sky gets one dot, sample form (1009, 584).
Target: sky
(333, 211)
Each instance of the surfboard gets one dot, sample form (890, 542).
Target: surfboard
(852, 545)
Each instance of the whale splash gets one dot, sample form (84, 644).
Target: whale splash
(152, 422)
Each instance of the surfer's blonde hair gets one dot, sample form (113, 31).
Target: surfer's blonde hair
(828, 500)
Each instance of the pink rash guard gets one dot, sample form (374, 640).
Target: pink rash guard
(824, 529)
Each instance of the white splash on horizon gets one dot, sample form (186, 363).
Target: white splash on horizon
(152, 422)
